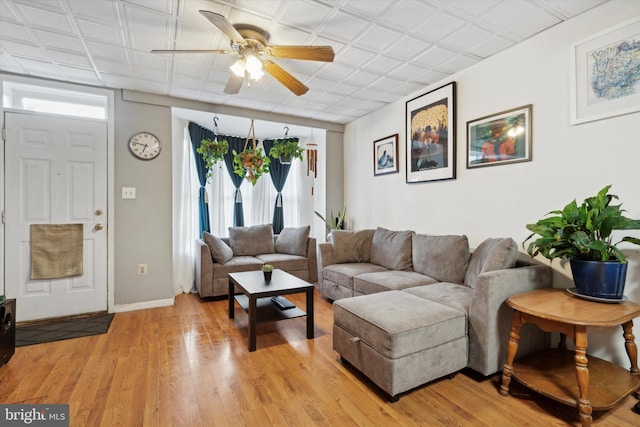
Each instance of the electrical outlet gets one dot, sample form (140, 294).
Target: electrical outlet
(128, 192)
(142, 269)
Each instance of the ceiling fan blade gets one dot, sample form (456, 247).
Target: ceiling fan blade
(233, 84)
(312, 53)
(224, 25)
(192, 51)
(290, 82)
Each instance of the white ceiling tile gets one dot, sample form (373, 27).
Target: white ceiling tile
(60, 41)
(410, 14)
(431, 77)
(102, 12)
(9, 64)
(39, 68)
(288, 35)
(407, 48)
(488, 47)
(386, 84)
(186, 82)
(101, 32)
(23, 49)
(470, 8)
(378, 38)
(150, 74)
(46, 19)
(438, 26)
(148, 23)
(113, 67)
(408, 87)
(368, 8)
(304, 14)
(353, 56)
(151, 86)
(15, 32)
(570, 8)
(465, 37)
(159, 5)
(117, 81)
(337, 72)
(435, 56)
(344, 27)
(81, 75)
(266, 7)
(7, 14)
(151, 61)
(384, 65)
(362, 78)
(535, 22)
(407, 72)
(506, 12)
(69, 58)
(458, 63)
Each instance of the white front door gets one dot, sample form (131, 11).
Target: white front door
(55, 173)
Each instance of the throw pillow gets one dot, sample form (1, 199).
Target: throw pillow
(492, 254)
(351, 246)
(220, 251)
(249, 241)
(293, 241)
(392, 249)
(445, 258)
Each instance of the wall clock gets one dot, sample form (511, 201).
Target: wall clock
(145, 146)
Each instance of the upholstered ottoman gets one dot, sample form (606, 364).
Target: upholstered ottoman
(398, 340)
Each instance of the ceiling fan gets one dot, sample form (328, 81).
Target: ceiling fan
(251, 42)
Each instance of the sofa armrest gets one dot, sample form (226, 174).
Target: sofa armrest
(490, 317)
(204, 269)
(313, 260)
(325, 254)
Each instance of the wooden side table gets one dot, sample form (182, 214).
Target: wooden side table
(568, 377)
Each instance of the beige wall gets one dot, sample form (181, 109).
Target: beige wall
(568, 161)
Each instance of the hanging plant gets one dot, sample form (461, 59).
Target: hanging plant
(212, 152)
(251, 162)
(286, 150)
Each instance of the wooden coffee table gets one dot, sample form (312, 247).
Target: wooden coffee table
(569, 377)
(256, 299)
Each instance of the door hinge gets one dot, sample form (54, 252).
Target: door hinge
(3, 217)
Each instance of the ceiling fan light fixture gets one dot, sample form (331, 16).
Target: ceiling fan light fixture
(238, 67)
(254, 67)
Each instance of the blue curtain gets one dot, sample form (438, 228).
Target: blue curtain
(279, 172)
(198, 133)
(237, 144)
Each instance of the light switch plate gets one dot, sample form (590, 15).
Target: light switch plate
(128, 192)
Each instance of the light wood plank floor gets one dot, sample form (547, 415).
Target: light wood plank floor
(188, 365)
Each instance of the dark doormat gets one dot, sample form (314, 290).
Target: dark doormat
(62, 329)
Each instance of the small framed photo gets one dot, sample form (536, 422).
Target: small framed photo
(431, 135)
(500, 138)
(385, 155)
(605, 73)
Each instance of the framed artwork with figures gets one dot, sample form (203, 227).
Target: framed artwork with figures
(385, 155)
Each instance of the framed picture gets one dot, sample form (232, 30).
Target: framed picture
(500, 138)
(431, 135)
(605, 73)
(385, 155)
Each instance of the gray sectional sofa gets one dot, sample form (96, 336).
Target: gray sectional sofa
(410, 308)
(248, 248)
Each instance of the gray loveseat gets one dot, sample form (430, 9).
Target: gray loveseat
(248, 248)
(410, 308)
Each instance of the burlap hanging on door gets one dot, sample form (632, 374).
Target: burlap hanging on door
(56, 250)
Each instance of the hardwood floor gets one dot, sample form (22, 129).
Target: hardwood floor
(188, 365)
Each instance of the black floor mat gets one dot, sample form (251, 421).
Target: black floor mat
(62, 329)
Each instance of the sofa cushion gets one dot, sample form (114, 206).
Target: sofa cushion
(220, 251)
(351, 246)
(254, 240)
(380, 281)
(445, 258)
(343, 274)
(391, 249)
(396, 323)
(293, 240)
(492, 254)
(445, 293)
(285, 262)
(236, 265)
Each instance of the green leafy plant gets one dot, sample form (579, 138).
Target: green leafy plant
(267, 268)
(212, 152)
(583, 232)
(286, 150)
(251, 163)
(335, 222)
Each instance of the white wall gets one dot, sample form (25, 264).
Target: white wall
(568, 161)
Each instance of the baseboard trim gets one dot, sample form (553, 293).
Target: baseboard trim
(121, 308)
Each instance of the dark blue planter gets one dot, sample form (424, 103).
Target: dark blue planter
(600, 279)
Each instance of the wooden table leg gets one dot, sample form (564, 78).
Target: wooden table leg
(231, 300)
(512, 349)
(253, 317)
(632, 351)
(582, 375)
(310, 331)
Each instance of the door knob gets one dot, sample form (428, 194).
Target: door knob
(99, 212)
(98, 227)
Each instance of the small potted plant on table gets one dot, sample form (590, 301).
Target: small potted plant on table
(582, 234)
(267, 270)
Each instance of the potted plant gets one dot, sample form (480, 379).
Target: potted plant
(212, 152)
(583, 235)
(267, 270)
(250, 163)
(333, 222)
(285, 150)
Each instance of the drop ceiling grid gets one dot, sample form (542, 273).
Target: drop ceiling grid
(385, 50)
